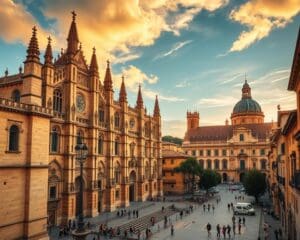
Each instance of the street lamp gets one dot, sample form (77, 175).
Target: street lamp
(81, 155)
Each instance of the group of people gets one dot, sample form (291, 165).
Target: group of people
(226, 230)
(209, 206)
(122, 212)
(66, 230)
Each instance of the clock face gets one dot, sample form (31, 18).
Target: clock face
(80, 103)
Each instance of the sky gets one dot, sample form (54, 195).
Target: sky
(193, 54)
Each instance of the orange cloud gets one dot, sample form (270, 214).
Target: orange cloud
(16, 24)
(261, 17)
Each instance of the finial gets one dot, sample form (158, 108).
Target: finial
(6, 72)
(74, 15)
(278, 107)
(49, 40)
(80, 46)
(61, 51)
(20, 69)
(34, 30)
(107, 63)
(245, 77)
(122, 78)
(94, 50)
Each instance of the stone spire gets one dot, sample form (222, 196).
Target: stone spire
(156, 111)
(123, 94)
(139, 101)
(72, 39)
(48, 53)
(108, 80)
(94, 63)
(33, 53)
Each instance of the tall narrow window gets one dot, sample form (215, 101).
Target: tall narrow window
(242, 165)
(15, 96)
(241, 137)
(13, 138)
(263, 164)
(217, 164)
(57, 101)
(117, 147)
(54, 140)
(117, 120)
(100, 145)
(224, 164)
(208, 164)
(79, 137)
(201, 163)
(117, 173)
(101, 115)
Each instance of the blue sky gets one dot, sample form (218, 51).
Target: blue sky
(193, 54)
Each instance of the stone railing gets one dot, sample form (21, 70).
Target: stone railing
(82, 120)
(7, 103)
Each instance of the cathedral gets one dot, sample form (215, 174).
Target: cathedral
(231, 149)
(46, 110)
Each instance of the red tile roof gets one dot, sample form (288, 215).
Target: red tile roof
(172, 154)
(225, 132)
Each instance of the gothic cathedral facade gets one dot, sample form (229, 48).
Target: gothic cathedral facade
(45, 111)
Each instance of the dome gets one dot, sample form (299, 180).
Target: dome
(247, 105)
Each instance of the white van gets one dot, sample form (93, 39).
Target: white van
(243, 208)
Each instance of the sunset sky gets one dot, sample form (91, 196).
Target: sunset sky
(193, 53)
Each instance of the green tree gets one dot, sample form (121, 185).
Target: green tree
(209, 178)
(191, 170)
(171, 139)
(255, 183)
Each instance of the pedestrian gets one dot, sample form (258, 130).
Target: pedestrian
(218, 230)
(181, 214)
(208, 227)
(213, 208)
(129, 214)
(228, 230)
(208, 207)
(280, 233)
(233, 228)
(276, 234)
(244, 220)
(204, 207)
(228, 206)
(233, 219)
(224, 231)
(137, 213)
(239, 228)
(172, 230)
(240, 220)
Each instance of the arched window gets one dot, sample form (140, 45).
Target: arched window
(154, 150)
(117, 145)
(117, 173)
(13, 138)
(217, 164)
(57, 100)
(54, 141)
(263, 164)
(208, 164)
(147, 170)
(100, 145)
(16, 96)
(224, 164)
(117, 120)
(242, 165)
(132, 147)
(201, 163)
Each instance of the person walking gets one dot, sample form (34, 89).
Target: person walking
(224, 231)
(172, 230)
(240, 220)
(218, 230)
(208, 227)
(228, 231)
(233, 219)
(203, 207)
(233, 228)
(208, 207)
(240, 226)
(213, 208)
(276, 234)
(244, 220)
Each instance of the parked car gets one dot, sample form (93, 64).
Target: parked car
(213, 190)
(242, 190)
(243, 209)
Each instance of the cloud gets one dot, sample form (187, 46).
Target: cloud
(217, 101)
(151, 94)
(16, 24)
(182, 84)
(175, 128)
(261, 17)
(174, 49)
(123, 58)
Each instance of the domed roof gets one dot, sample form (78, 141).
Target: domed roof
(247, 105)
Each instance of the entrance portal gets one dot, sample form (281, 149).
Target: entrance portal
(242, 176)
(225, 177)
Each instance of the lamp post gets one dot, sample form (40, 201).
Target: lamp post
(81, 154)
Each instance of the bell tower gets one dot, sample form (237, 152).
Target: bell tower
(192, 119)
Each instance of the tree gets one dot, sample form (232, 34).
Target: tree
(209, 178)
(191, 169)
(255, 183)
(172, 139)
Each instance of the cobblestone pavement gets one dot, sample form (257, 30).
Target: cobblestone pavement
(191, 226)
